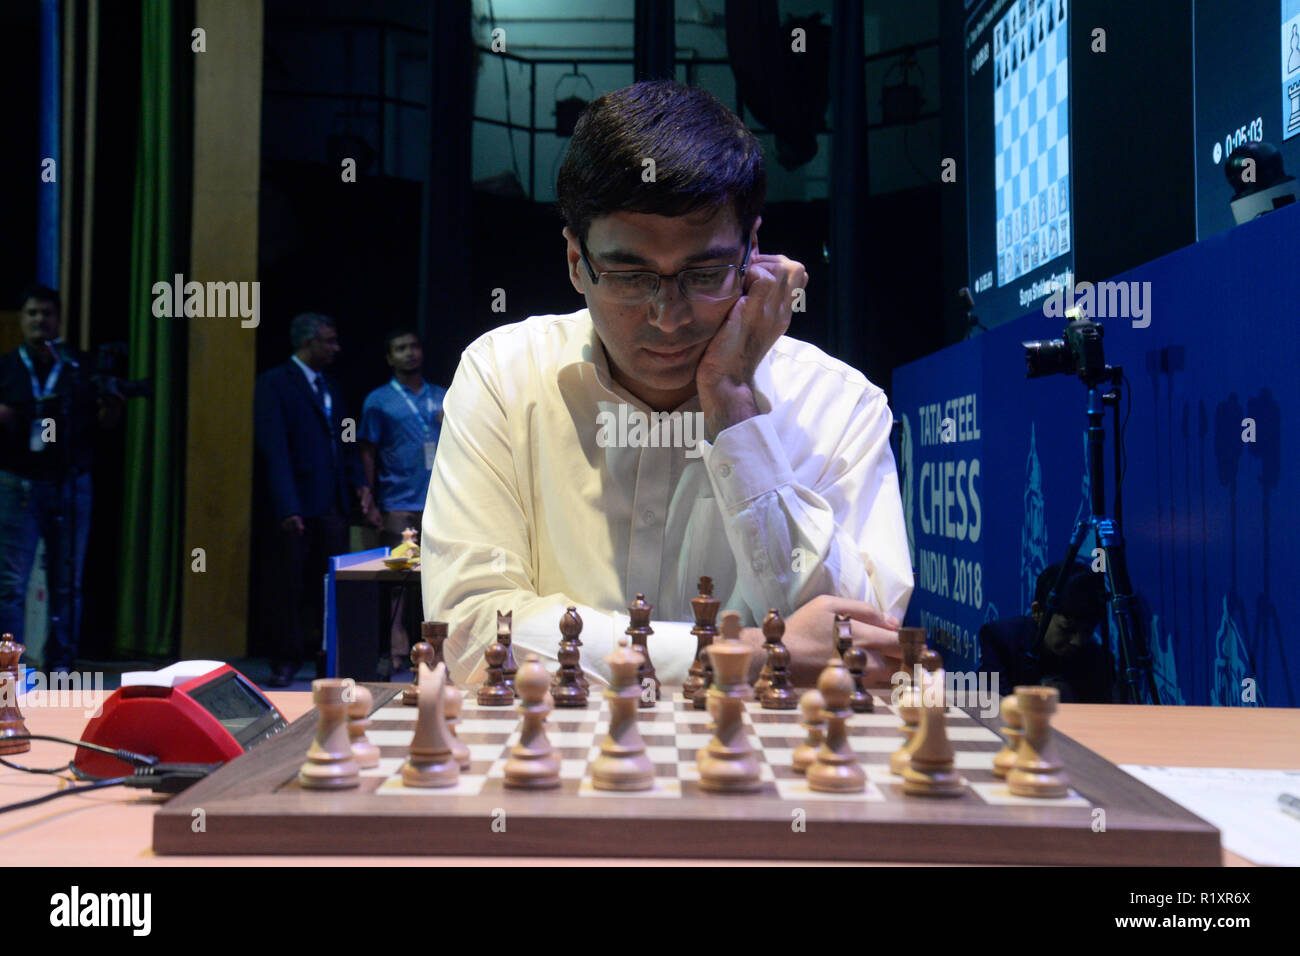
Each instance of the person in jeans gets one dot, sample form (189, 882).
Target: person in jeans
(49, 415)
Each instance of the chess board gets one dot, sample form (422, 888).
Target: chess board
(1031, 136)
(255, 805)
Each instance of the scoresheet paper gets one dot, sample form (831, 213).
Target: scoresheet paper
(1243, 804)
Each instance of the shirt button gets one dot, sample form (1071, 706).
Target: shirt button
(725, 471)
(649, 516)
(759, 563)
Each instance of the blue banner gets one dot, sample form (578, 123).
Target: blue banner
(992, 466)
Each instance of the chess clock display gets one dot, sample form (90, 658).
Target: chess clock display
(190, 712)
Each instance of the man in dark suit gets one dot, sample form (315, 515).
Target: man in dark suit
(308, 470)
(1069, 659)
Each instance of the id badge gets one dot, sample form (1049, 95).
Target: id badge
(430, 449)
(36, 442)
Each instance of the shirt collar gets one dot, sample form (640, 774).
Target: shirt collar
(306, 370)
(584, 356)
(423, 385)
(583, 346)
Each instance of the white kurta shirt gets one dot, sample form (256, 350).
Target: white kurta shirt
(554, 486)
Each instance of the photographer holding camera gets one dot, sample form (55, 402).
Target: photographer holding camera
(51, 405)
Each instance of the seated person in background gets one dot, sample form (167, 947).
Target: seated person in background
(1069, 659)
(566, 473)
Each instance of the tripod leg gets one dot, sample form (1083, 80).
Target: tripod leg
(1134, 650)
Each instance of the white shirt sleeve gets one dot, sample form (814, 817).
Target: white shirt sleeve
(792, 542)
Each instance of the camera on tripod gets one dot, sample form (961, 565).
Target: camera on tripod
(1078, 352)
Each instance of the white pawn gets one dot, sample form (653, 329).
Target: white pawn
(811, 705)
(909, 708)
(533, 764)
(1012, 731)
(365, 752)
(454, 701)
(836, 769)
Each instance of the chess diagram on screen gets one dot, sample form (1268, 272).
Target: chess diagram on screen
(1290, 68)
(1031, 120)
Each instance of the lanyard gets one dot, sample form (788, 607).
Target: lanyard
(37, 391)
(428, 404)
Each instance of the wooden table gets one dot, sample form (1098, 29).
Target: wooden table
(362, 610)
(113, 827)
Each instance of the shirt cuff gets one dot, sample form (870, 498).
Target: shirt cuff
(745, 461)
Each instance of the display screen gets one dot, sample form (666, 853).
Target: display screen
(233, 704)
(1018, 187)
(1247, 89)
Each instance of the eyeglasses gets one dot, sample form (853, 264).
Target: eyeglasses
(705, 284)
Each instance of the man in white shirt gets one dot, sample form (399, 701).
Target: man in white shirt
(667, 431)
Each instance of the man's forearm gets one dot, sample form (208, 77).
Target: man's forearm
(535, 629)
(725, 406)
(368, 463)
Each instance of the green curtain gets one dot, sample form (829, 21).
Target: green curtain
(151, 564)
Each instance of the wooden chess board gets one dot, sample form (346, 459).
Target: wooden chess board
(255, 805)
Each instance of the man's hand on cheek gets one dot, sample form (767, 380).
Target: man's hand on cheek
(725, 375)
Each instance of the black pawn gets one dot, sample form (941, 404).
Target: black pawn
(508, 667)
(779, 694)
(495, 692)
(701, 699)
(568, 689)
(639, 630)
(855, 659)
(773, 630)
(421, 652)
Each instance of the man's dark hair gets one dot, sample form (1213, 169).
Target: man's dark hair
(703, 156)
(41, 293)
(1083, 596)
(397, 334)
(306, 326)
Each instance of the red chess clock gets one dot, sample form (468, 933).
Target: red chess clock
(190, 712)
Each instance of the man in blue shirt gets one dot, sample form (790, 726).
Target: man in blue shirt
(400, 424)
